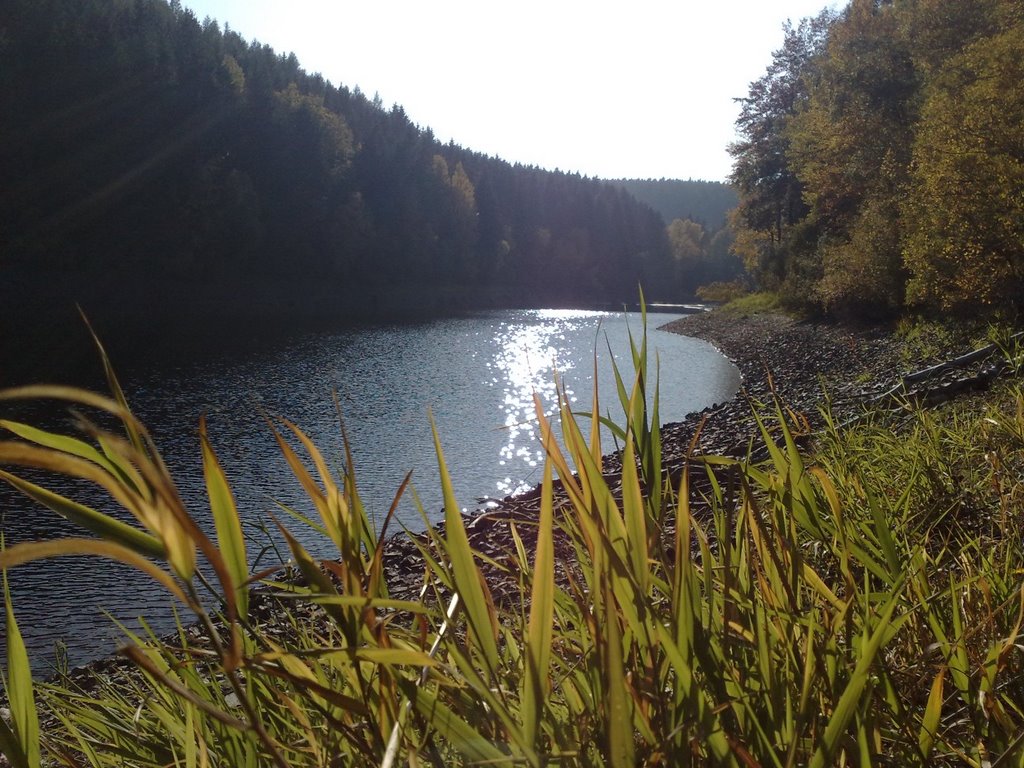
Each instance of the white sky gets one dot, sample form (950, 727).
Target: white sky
(635, 88)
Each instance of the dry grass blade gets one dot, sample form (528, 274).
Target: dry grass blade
(29, 551)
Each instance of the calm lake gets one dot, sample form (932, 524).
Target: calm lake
(476, 375)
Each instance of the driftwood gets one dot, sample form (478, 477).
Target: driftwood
(949, 381)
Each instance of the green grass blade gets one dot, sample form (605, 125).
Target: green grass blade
(536, 683)
(932, 715)
(635, 519)
(618, 701)
(20, 693)
(226, 521)
(459, 733)
(850, 699)
(464, 570)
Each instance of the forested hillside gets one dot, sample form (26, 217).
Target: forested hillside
(136, 139)
(696, 214)
(706, 202)
(881, 160)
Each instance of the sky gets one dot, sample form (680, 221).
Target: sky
(627, 89)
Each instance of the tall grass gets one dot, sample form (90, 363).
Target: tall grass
(861, 605)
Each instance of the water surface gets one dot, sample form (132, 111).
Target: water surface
(475, 375)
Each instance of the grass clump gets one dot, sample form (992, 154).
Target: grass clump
(859, 605)
(752, 304)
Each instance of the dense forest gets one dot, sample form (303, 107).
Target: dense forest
(137, 140)
(880, 164)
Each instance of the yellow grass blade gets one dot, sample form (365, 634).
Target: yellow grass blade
(102, 525)
(61, 443)
(932, 715)
(312, 490)
(30, 551)
(339, 516)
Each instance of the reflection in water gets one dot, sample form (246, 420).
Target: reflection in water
(525, 360)
(477, 376)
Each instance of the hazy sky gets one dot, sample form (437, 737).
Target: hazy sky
(635, 88)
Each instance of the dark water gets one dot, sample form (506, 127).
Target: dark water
(476, 375)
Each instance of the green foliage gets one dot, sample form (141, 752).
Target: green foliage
(770, 195)
(748, 304)
(723, 292)
(708, 202)
(897, 126)
(859, 604)
(966, 247)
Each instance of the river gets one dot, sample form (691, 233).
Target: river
(475, 374)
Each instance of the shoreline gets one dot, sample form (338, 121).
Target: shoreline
(771, 350)
(850, 366)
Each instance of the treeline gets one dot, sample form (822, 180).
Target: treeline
(880, 163)
(136, 139)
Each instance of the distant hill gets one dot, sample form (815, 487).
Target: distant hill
(703, 201)
(141, 146)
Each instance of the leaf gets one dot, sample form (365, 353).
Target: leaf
(464, 570)
(536, 681)
(932, 715)
(463, 736)
(225, 518)
(102, 525)
(850, 699)
(20, 692)
(635, 520)
(618, 702)
(61, 443)
(30, 551)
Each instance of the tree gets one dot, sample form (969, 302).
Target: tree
(850, 148)
(770, 194)
(966, 214)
